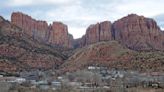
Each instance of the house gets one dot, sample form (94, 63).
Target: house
(75, 84)
(59, 78)
(12, 79)
(1, 75)
(56, 83)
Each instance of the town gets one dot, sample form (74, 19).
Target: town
(93, 78)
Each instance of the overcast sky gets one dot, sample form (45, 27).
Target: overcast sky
(79, 14)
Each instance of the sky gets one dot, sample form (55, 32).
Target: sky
(79, 14)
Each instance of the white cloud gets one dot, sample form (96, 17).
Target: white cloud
(147, 8)
(17, 3)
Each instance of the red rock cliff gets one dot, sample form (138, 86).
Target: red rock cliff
(55, 34)
(97, 32)
(138, 33)
(133, 31)
(59, 34)
(32, 27)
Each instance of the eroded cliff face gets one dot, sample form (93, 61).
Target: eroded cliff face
(55, 34)
(70, 41)
(59, 34)
(105, 31)
(138, 33)
(32, 27)
(133, 31)
(96, 33)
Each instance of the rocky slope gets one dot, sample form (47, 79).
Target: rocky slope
(133, 31)
(101, 53)
(19, 51)
(111, 54)
(55, 34)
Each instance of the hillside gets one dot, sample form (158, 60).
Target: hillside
(102, 53)
(113, 55)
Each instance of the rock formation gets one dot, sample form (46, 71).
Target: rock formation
(70, 41)
(32, 27)
(97, 32)
(133, 31)
(105, 29)
(138, 33)
(55, 34)
(59, 34)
